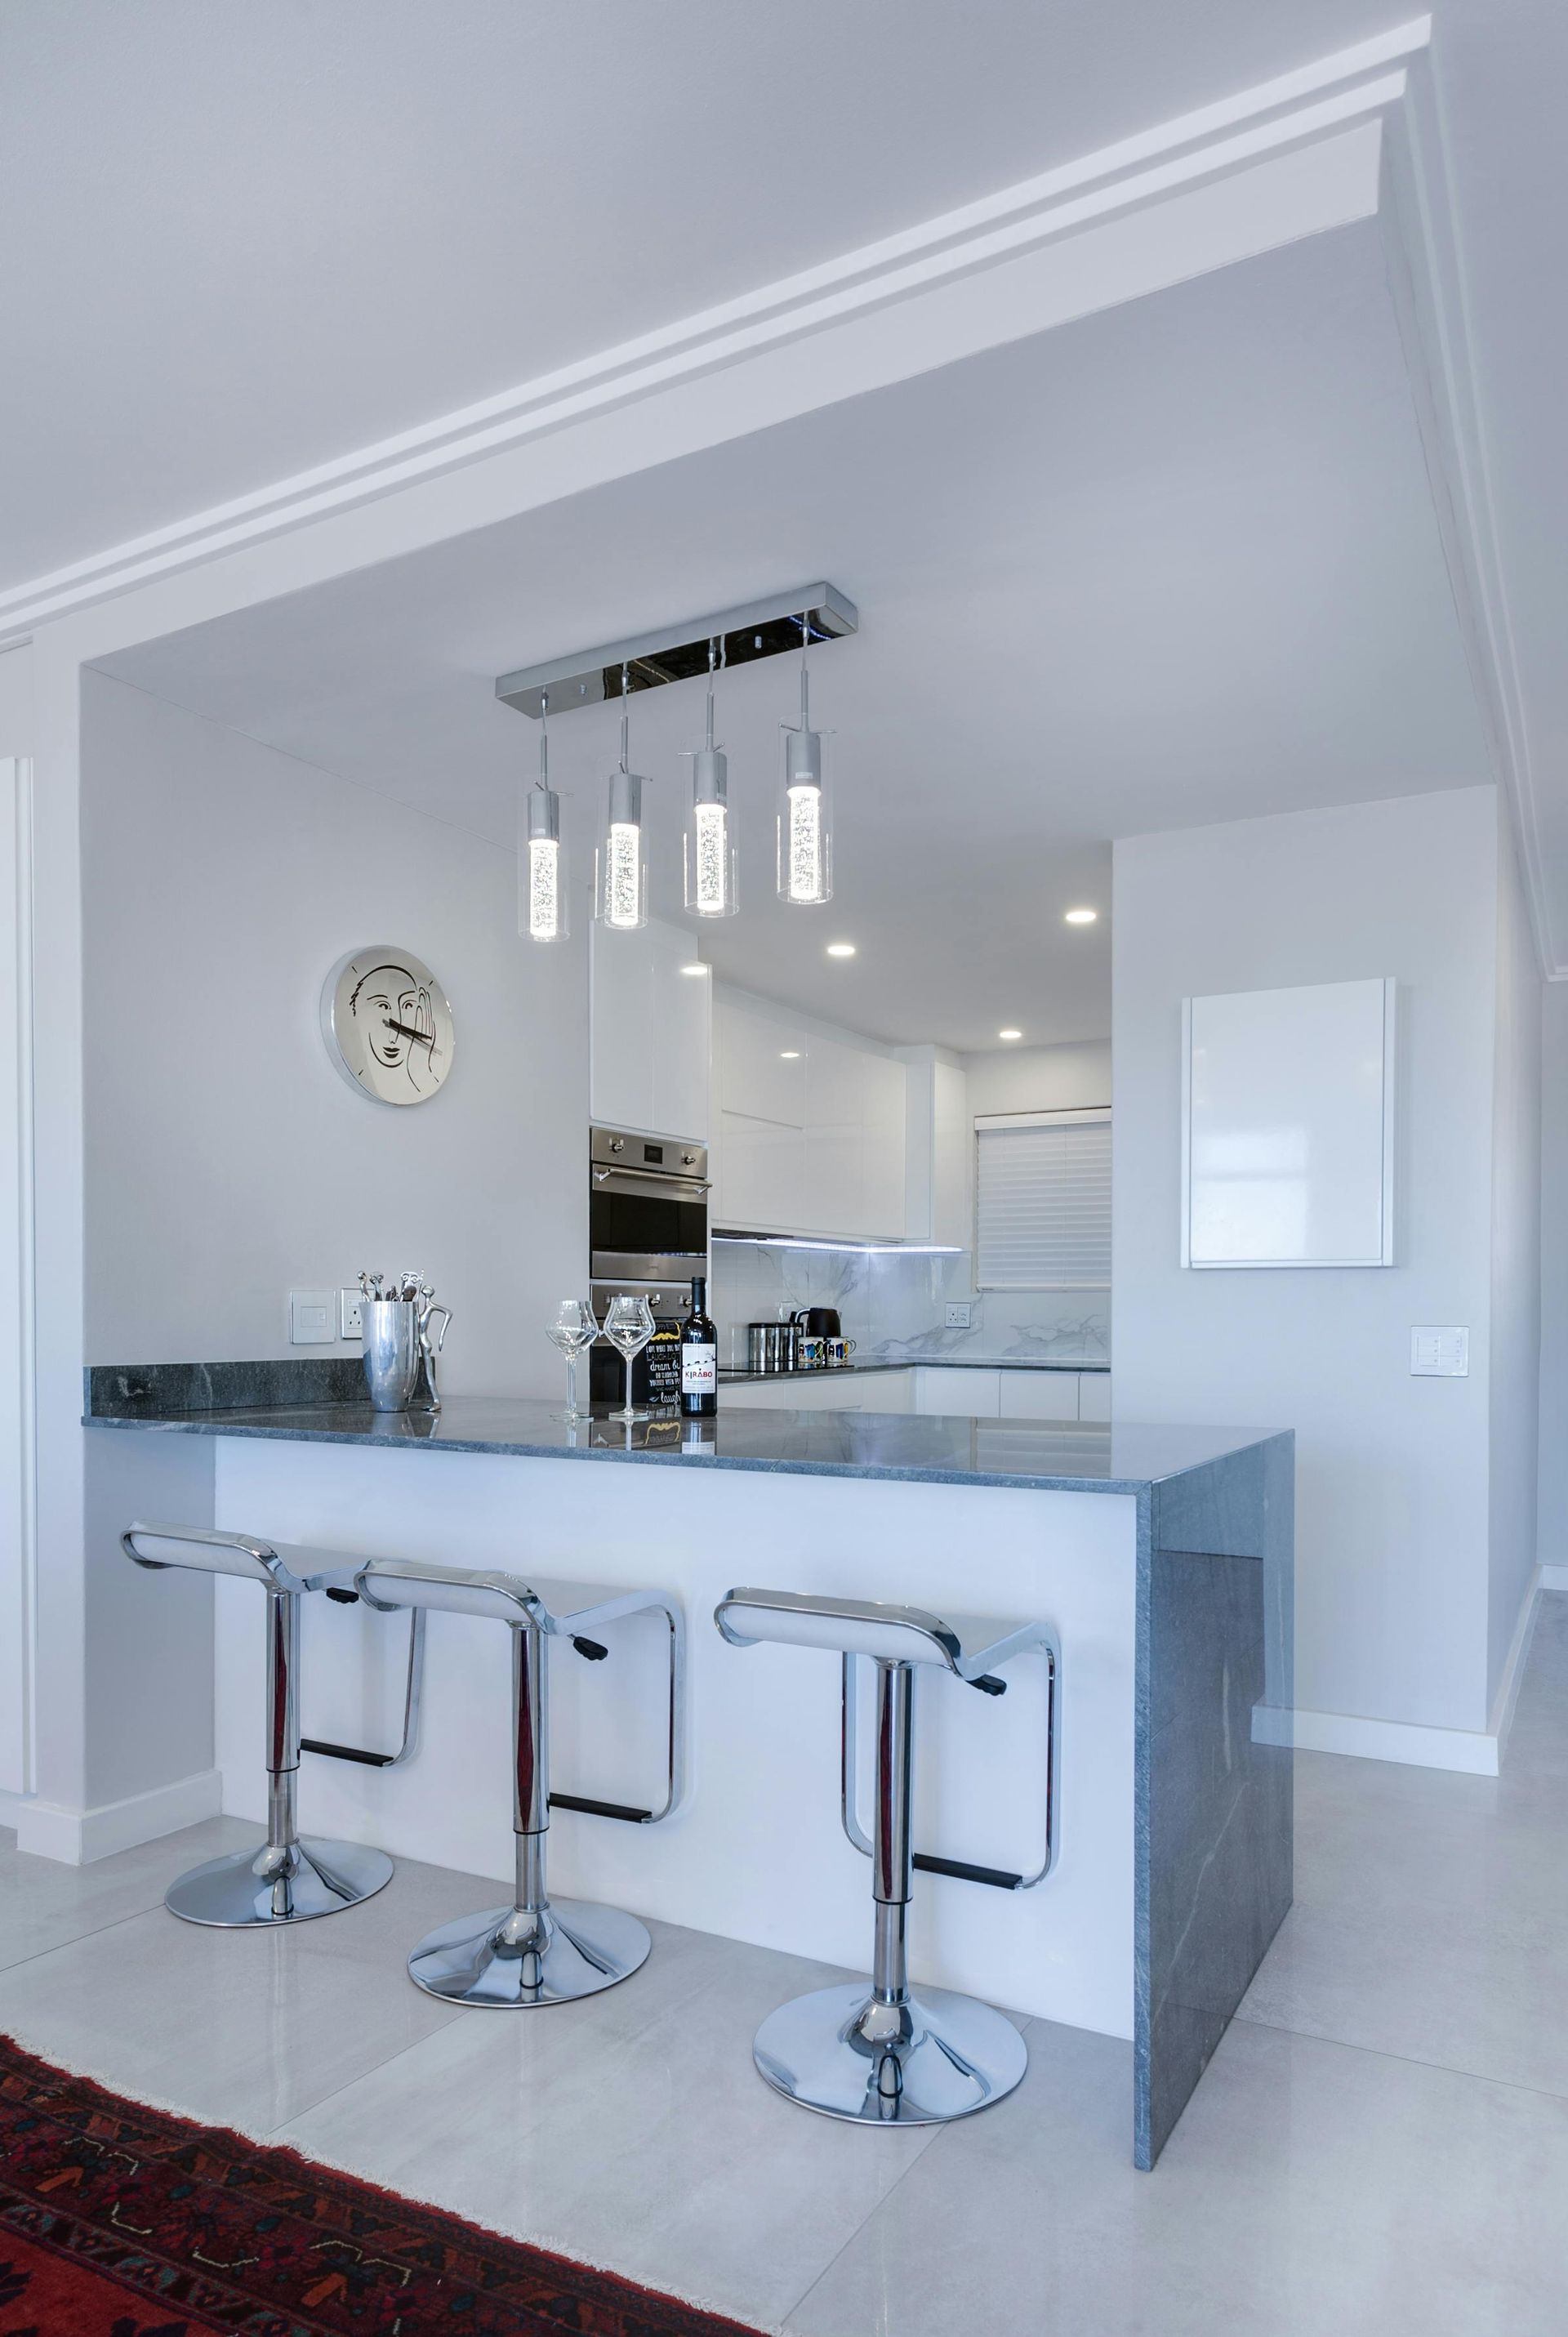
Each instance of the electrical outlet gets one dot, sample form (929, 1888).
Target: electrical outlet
(310, 1318)
(958, 1315)
(350, 1321)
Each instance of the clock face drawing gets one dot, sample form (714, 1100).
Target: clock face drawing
(387, 1024)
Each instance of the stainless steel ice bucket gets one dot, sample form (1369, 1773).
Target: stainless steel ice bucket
(393, 1351)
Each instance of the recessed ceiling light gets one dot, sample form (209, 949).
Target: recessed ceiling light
(1081, 917)
(694, 969)
(841, 949)
(1009, 1034)
(790, 1055)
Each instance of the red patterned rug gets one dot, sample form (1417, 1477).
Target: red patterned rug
(121, 2221)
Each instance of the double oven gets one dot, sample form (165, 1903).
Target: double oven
(647, 1236)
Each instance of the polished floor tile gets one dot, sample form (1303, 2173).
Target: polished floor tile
(630, 2131)
(1309, 2188)
(1431, 1912)
(248, 2029)
(1379, 2147)
(44, 1904)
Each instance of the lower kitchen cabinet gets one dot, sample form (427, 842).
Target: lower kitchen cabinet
(963, 1393)
(821, 1391)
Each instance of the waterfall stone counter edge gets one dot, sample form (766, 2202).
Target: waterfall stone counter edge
(1162, 1555)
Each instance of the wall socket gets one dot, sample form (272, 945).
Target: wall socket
(350, 1321)
(958, 1315)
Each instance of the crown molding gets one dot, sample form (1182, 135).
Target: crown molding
(1313, 106)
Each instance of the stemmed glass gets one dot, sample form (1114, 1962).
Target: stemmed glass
(628, 1327)
(573, 1329)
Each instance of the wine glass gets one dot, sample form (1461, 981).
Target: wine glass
(573, 1329)
(628, 1327)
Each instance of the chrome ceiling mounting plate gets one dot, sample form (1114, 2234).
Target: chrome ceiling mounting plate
(761, 628)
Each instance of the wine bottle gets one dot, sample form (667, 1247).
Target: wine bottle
(698, 1357)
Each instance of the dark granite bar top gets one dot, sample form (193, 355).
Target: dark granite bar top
(892, 1445)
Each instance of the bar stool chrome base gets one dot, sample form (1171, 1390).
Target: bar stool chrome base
(934, 2057)
(249, 1888)
(508, 1956)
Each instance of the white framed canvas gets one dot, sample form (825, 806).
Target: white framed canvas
(1288, 1127)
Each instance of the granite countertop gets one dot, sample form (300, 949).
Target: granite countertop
(889, 1445)
(917, 1363)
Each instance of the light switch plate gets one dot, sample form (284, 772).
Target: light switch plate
(958, 1315)
(1440, 1352)
(350, 1321)
(310, 1318)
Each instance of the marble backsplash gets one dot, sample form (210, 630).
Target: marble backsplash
(893, 1303)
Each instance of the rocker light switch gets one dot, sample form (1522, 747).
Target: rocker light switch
(1439, 1352)
(310, 1318)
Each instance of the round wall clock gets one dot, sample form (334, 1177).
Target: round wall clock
(387, 1024)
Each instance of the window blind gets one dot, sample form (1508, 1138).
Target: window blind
(1043, 1202)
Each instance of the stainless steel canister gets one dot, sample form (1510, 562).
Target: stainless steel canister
(756, 1349)
(393, 1352)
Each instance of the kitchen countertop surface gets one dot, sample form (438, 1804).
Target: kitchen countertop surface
(918, 1363)
(934, 1449)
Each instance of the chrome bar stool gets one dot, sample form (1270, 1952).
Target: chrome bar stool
(293, 1878)
(536, 1950)
(893, 2057)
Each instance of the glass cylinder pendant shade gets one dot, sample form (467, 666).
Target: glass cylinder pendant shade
(542, 873)
(621, 885)
(805, 843)
(708, 846)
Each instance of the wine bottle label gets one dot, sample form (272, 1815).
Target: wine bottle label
(699, 1369)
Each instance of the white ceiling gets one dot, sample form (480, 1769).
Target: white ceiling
(1173, 564)
(242, 241)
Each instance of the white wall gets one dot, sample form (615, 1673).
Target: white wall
(1516, 1342)
(228, 1161)
(1553, 1473)
(1393, 1506)
(1071, 1078)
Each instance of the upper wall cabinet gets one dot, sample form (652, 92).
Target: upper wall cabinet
(811, 1131)
(1287, 1127)
(650, 1032)
(940, 1161)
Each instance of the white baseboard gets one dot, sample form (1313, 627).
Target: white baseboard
(1477, 1752)
(1514, 1663)
(1473, 1750)
(1554, 1578)
(76, 1837)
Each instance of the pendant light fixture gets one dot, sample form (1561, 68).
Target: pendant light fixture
(541, 904)
(621, 881)
(805, 844)
(708, 846)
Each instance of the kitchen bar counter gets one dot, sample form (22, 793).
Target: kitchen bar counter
(1160, 1555)
(902, 1447)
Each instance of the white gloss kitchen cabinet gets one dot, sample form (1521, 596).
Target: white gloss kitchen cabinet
(650, 1032)
(809, 1128)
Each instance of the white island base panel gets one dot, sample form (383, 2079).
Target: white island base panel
(757, 1852)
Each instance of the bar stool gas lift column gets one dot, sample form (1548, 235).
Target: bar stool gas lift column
(293, 1878)
(538, 1951)
(894, 2057)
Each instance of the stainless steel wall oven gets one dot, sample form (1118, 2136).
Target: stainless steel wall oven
(648, 1235)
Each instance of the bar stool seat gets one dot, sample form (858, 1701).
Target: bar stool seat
(535, 1951)
(293, 1878)
(891, 2057)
